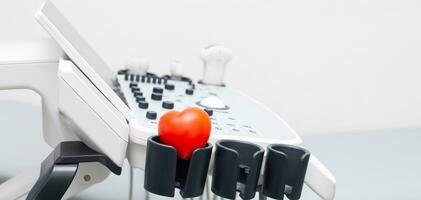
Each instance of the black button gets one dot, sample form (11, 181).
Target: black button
(143, 104)
(142, 79)
(156, 96)
(151, 115)
(154, 80)
(159, 80)
(126, 77)
(140, 99)
(137, 94)
(169, 86)
(158, 90)
(165, 81)
(189, 91)
(131, 77)
(122, 71)
(131, 85)
(209, 111)
(135, 89)
(137, 77)
(148, 79)
(168, 105)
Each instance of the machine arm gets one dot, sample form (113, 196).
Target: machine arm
(34, 66)
(59, 169)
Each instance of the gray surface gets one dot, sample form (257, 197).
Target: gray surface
(20, 137)
(373, 165)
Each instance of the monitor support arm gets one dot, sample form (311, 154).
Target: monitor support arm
(59, 169)
(41, 75)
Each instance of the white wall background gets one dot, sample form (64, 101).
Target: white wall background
(327, 66)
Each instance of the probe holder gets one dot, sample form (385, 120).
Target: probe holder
(59, 169)
(285, 170)
(236, 168)
(164, 171)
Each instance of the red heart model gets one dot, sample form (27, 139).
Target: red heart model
(185, 131)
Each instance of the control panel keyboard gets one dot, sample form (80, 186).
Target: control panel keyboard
(233, 114)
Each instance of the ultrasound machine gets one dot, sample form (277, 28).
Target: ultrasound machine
(96, 118)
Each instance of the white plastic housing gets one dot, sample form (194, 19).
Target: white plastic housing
(34, 65)
(91, 116)
(215, 58)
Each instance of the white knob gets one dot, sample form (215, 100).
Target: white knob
(138, 65)
(176, 69)
(212, 102)
(215, 59)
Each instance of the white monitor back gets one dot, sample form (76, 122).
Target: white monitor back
(79, 50)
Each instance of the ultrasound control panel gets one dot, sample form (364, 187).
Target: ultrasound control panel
(145, 97)
(233, 114)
